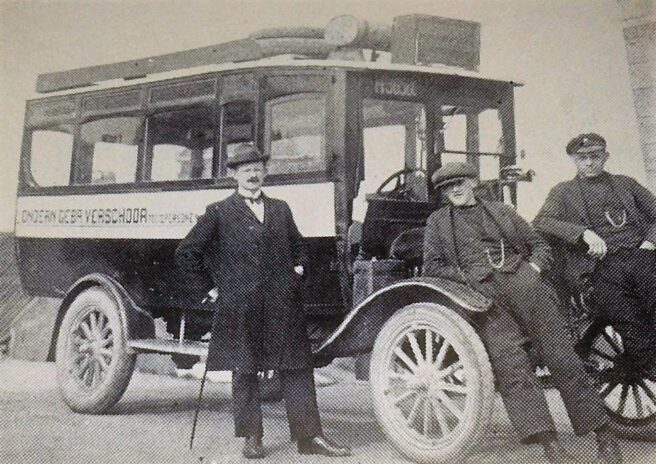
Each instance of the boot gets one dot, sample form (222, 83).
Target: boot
(253, 448)
(554, 451)
(323, 446)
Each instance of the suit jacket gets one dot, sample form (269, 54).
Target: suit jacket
(440, 252)
(563, 218)
(258, 322)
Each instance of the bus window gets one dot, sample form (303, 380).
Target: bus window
(454, 129)
(491, 141)
(51, 154)
(180, 145)
(491, 135)
(295, 133)
(108, 150)
(489, 166)
(236, 126)
(472, 135)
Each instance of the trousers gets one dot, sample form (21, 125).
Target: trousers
(299, 393)
(526, 312)
(624, 296)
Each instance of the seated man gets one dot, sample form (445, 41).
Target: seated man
(607, 226)
(489, 247)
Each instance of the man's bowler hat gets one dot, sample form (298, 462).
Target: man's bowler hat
(586, 143)
(453, 172)
(245, 153)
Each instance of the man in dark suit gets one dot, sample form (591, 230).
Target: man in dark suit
(489, 247)
(246, 253)
(606, 226)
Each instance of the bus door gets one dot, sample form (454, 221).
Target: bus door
(296, 133)
(395, 140)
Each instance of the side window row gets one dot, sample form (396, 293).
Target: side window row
(179, 144)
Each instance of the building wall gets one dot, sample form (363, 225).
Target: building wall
(640, 41)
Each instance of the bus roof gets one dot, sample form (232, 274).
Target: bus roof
(283, 62)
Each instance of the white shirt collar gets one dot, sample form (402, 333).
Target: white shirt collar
(248, 194)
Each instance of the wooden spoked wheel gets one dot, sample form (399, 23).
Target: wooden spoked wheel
(432, 383)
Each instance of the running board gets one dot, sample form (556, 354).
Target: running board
(158, 345)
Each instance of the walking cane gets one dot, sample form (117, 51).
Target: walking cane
(211, 299)
(200, 399)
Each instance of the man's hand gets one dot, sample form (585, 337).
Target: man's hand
(536, 267)
(597, 247)
(212, 295)
(646, 245)
(299, 270)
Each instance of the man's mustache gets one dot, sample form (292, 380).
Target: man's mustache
(253, 178)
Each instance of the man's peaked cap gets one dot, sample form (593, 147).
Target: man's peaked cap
(586, 143)
(453, 172)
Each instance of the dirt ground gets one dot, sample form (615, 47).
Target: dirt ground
(152, 424)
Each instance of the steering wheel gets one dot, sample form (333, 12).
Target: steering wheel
(401, 190)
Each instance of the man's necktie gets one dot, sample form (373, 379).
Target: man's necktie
(254, 201)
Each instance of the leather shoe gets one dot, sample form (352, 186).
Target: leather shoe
(608, 450)
(556, 454)
(253, 448)
(323, 446)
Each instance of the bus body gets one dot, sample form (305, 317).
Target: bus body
(112, 179)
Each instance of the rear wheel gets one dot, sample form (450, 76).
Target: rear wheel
(432, 383)
(628, 395)
(93, 365)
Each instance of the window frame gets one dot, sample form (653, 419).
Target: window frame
(78, 162)
(146, 160)
(26, 176)
(277, 83)
(296, 177)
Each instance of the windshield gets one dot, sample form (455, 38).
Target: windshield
(471, 134)
(396, 130)
(393, 138)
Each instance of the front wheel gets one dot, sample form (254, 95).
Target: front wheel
(432, 383)
(93, 364)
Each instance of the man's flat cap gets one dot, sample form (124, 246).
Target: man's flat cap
(453, 172)
(245, 153)
(586, 143)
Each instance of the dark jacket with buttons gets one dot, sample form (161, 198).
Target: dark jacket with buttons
(259, 323)
(440, 249)
(564, 218)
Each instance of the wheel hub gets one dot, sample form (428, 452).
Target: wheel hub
(91, 348)
(427, 386)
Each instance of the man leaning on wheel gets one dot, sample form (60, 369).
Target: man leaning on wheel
(488, 246)
(606, 226)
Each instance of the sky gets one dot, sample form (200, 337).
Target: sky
(570, 55)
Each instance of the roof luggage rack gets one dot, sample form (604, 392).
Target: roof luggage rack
(412, 39)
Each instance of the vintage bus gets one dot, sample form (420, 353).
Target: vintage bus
(119, 160)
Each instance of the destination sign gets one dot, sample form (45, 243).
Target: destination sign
(107, 216)
(396, 87)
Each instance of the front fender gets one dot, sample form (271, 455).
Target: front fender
(137, 323)
(357, 332)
